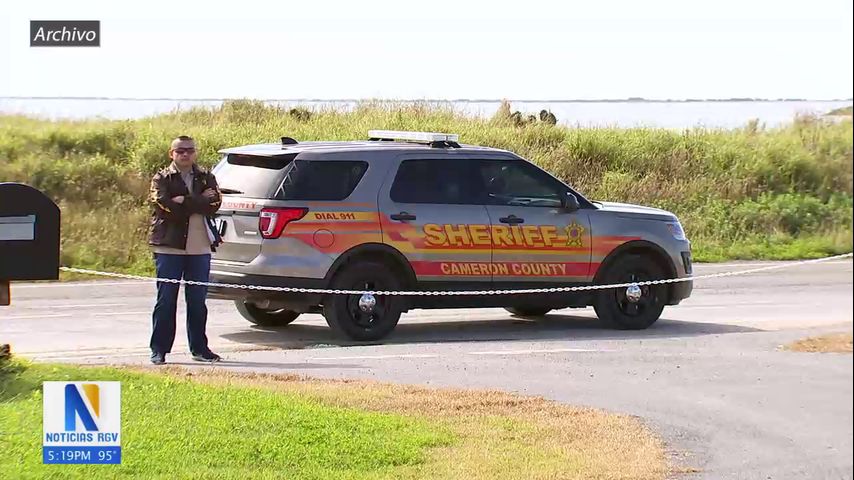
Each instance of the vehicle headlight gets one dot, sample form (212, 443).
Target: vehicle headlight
(676, 230)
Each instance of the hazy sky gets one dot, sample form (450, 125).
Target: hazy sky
(527, 49)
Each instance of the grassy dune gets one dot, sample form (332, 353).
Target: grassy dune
(749, 193)
(845, 111)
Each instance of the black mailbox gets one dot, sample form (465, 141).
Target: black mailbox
(29, 236)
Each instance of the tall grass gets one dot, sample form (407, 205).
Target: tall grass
(742, 193)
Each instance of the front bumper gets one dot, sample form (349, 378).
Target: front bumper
(684, 268)
(680, 291)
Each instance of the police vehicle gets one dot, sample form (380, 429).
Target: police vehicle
(418, 211)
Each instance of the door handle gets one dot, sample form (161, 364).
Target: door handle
(402, 216)
(512, 220)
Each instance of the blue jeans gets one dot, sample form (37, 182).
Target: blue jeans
(190, 267)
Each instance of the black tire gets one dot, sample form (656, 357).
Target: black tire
(615, 310)
(265, 318)
(342, 312)
(528, 311)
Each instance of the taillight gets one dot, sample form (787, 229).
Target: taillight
(274, 220)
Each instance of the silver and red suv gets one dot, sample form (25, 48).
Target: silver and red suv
(419, 211)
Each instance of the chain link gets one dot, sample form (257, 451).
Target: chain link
(576, 288)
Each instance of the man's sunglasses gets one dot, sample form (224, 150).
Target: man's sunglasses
(181, 151)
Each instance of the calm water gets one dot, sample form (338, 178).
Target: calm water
(623, 114)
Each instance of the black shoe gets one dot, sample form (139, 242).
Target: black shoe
(158, 358)
(208, 356)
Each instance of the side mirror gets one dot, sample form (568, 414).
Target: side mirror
(569, 202)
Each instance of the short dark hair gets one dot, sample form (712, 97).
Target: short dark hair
(182, 138)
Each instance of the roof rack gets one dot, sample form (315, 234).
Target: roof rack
(434, 139)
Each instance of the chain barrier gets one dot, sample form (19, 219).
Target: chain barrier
(455, 292)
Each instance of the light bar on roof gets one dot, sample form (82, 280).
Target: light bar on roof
(413, 136)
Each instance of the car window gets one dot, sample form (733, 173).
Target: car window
(321, 180)
(251, 175)
(519, 183)
(439, 181)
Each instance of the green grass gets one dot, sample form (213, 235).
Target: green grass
(751, 192)
(211, 423)
(173, 428)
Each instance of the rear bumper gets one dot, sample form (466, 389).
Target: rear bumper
(253, 295)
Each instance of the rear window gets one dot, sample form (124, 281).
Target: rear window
(321, 180)
(250, 175)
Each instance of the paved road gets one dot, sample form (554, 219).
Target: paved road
(708, 377)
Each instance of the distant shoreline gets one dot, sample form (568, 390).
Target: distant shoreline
(435, 100)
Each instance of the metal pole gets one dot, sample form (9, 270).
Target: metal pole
(5, 299)
(5, 293)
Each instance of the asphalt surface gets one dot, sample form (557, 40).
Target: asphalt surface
(708, 377)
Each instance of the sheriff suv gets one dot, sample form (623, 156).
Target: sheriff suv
(418, 211)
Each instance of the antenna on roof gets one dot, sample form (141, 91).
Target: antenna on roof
(434, 139)
(288, 141)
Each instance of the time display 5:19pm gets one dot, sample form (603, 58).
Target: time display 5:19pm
(82, 455)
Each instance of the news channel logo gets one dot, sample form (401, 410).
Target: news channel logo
(82, 422)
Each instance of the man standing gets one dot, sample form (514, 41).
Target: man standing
(184, 198)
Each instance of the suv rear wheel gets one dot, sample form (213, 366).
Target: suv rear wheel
(265, 318)
(528, 311)
(617, 309)
(345, 313)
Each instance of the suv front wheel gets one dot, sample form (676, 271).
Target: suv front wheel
(631, 310)
(364, 317)
(265, 318)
